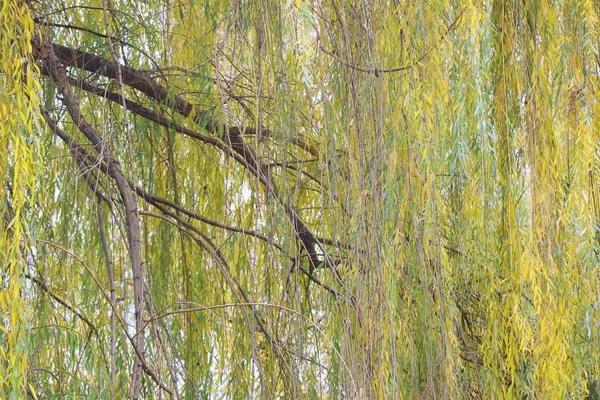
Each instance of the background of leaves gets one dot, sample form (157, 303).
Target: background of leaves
(445, 153)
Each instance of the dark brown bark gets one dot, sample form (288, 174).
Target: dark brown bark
(44, 50)
(104, 169)
(232, 136)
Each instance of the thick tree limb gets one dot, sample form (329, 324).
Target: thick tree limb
(44, 50)
(232, 136)
(159, 203)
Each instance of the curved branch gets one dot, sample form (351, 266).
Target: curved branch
(147, 369)
(232, 136)
(95, 33)
(69, 307)
(377, 71)
(154, 200)
(44, 50)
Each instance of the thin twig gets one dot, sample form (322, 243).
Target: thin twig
(377, 71)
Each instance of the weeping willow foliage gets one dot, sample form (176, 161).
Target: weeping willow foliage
(18, 108)
(299, 199)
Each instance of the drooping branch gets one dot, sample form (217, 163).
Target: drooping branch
(42, 285)
(81, 158)
(160, 204)
(213, 250)
(232, 136)
(111, 300)
(146, 368)
(157, 200)
(195, 234)
(377, 71)
(201, 239)
(44, 50)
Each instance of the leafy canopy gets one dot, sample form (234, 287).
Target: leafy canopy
(299, 199)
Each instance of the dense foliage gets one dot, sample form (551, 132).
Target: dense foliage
(299, 199)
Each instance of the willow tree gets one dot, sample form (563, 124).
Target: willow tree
(295, 199)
